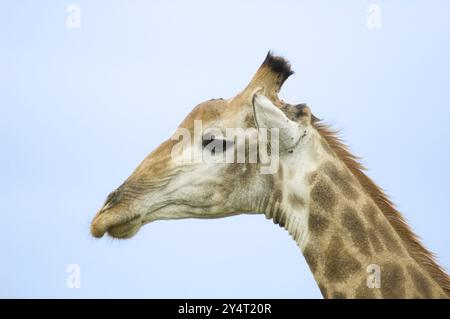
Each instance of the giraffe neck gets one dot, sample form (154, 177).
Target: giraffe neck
(349, 245)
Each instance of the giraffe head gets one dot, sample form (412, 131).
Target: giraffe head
(203, 172)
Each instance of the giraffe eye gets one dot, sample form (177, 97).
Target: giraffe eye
(215, 145)
(207, 140)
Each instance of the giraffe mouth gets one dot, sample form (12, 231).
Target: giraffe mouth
(127, 230)
(115, 225)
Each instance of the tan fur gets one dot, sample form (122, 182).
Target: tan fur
(341, 220)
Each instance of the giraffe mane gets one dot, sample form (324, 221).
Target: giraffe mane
(423, 256)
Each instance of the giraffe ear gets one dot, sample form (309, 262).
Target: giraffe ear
(269, 116)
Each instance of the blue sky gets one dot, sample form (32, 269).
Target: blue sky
(80, 108)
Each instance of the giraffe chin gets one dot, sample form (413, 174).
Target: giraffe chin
(124, 231)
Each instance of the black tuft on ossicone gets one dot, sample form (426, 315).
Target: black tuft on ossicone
(278, 65)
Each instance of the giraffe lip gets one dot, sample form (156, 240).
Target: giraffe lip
(115, 225)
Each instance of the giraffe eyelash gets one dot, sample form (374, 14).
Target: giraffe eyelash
(210, 143)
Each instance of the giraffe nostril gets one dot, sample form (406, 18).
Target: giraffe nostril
(113, 198)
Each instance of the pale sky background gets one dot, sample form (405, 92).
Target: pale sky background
(80, 108)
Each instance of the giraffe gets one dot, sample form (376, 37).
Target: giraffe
(346, 227)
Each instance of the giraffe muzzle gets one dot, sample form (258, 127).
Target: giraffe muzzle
(118, 224)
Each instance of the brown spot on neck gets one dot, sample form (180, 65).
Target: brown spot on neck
(339, 264)
(324, 196)
(383, 229)
(317, 224)
(392, 281)
(341, 179)
(355, 226)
